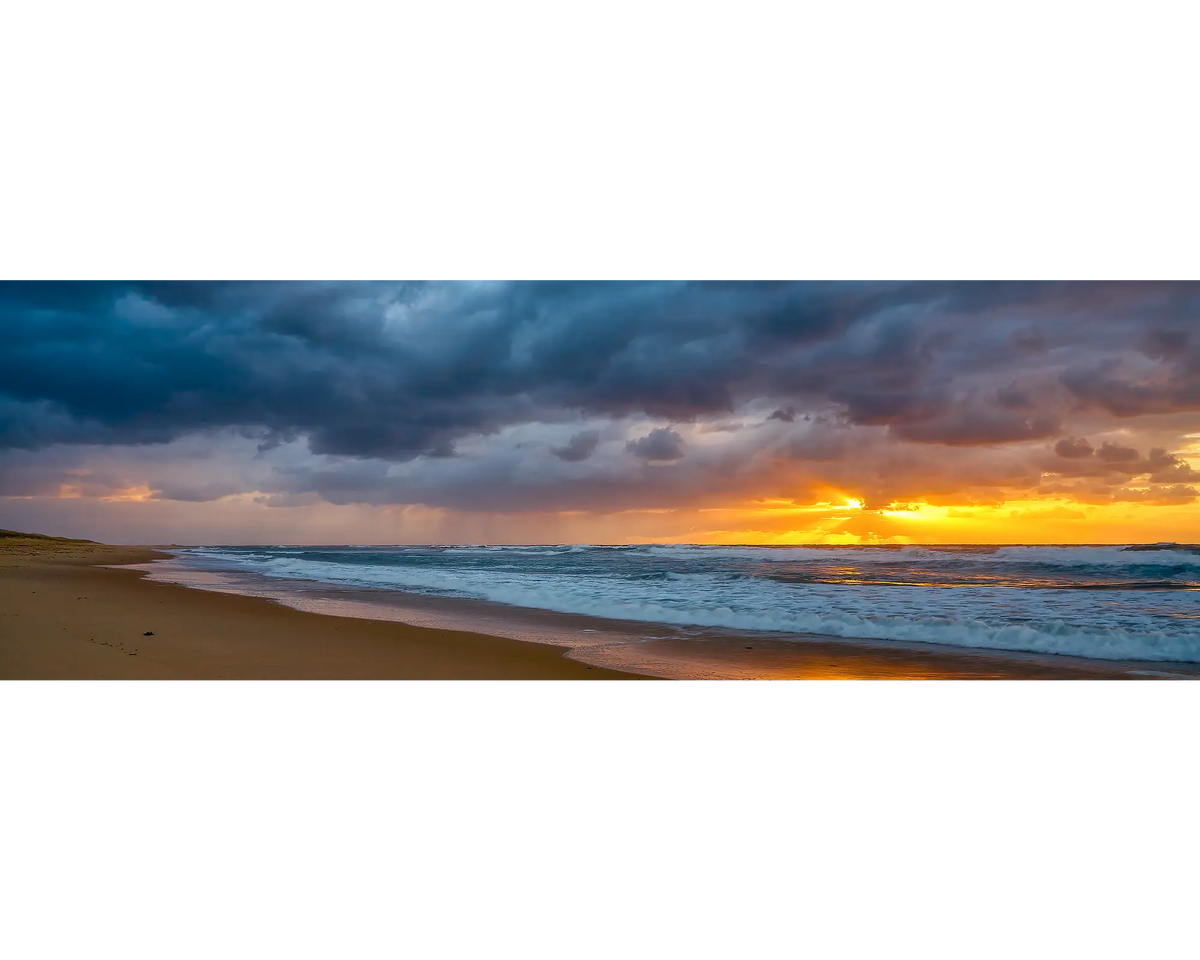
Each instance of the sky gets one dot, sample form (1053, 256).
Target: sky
(564, 412)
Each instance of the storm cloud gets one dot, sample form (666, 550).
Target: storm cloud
(1073, 448)
(581, 446)
(660, 444)
(527, 396)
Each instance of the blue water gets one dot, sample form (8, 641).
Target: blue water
(1099, 602)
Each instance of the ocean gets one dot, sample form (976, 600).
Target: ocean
(1096, 603)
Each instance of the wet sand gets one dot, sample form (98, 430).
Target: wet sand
(64, 617)
(667, 651)
(823, 658)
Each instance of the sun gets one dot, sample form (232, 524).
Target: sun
(854, 504)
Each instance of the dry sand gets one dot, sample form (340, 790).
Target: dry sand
(63, 617)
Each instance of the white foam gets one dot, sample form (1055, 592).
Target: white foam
(1072, 556)
(1119, 625)
(1096, 556)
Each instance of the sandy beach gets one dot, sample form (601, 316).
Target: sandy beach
(688, 481)
(66, 616)
(65, 613)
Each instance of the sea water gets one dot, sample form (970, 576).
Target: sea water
(1099, 602)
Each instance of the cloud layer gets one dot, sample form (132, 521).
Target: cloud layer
(599, 396)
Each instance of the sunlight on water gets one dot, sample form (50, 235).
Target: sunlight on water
(1095, 602)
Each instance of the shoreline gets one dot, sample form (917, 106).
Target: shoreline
(82, 610)
(67, 614)
(666, 651)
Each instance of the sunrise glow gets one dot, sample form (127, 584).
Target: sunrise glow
(623, 413)
(496, 442)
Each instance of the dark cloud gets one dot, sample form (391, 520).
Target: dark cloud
(441, 373)
(660, 444)
(373, 370)
(1175, 474)
(1102, 478)
(1126, 388)
(821, 444)
(1029, 341)
(1073, 448)
(1115, 453)
(401, 370)
(1164, 467)
(977, 426)
(1013, 397)
(195, 492)
(1165, 344)
(581, 446)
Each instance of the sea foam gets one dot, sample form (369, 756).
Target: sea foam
(1099, 602)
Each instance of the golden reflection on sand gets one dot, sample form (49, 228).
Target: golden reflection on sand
(820, 659)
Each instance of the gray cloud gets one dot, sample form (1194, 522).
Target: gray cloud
(195, 492)
(1165, 344)
(402, 370)
(414, 392)
(581, 446)
(1073, 448)
(660, 444)
(1115, 453)
(977, 426)
(1013, 397)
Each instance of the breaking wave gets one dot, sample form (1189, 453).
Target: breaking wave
(1098, 602)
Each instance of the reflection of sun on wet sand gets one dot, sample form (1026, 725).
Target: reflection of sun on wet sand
(63, 616)
(828, 658)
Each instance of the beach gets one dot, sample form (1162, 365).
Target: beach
(437, 470)
(65, 615)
